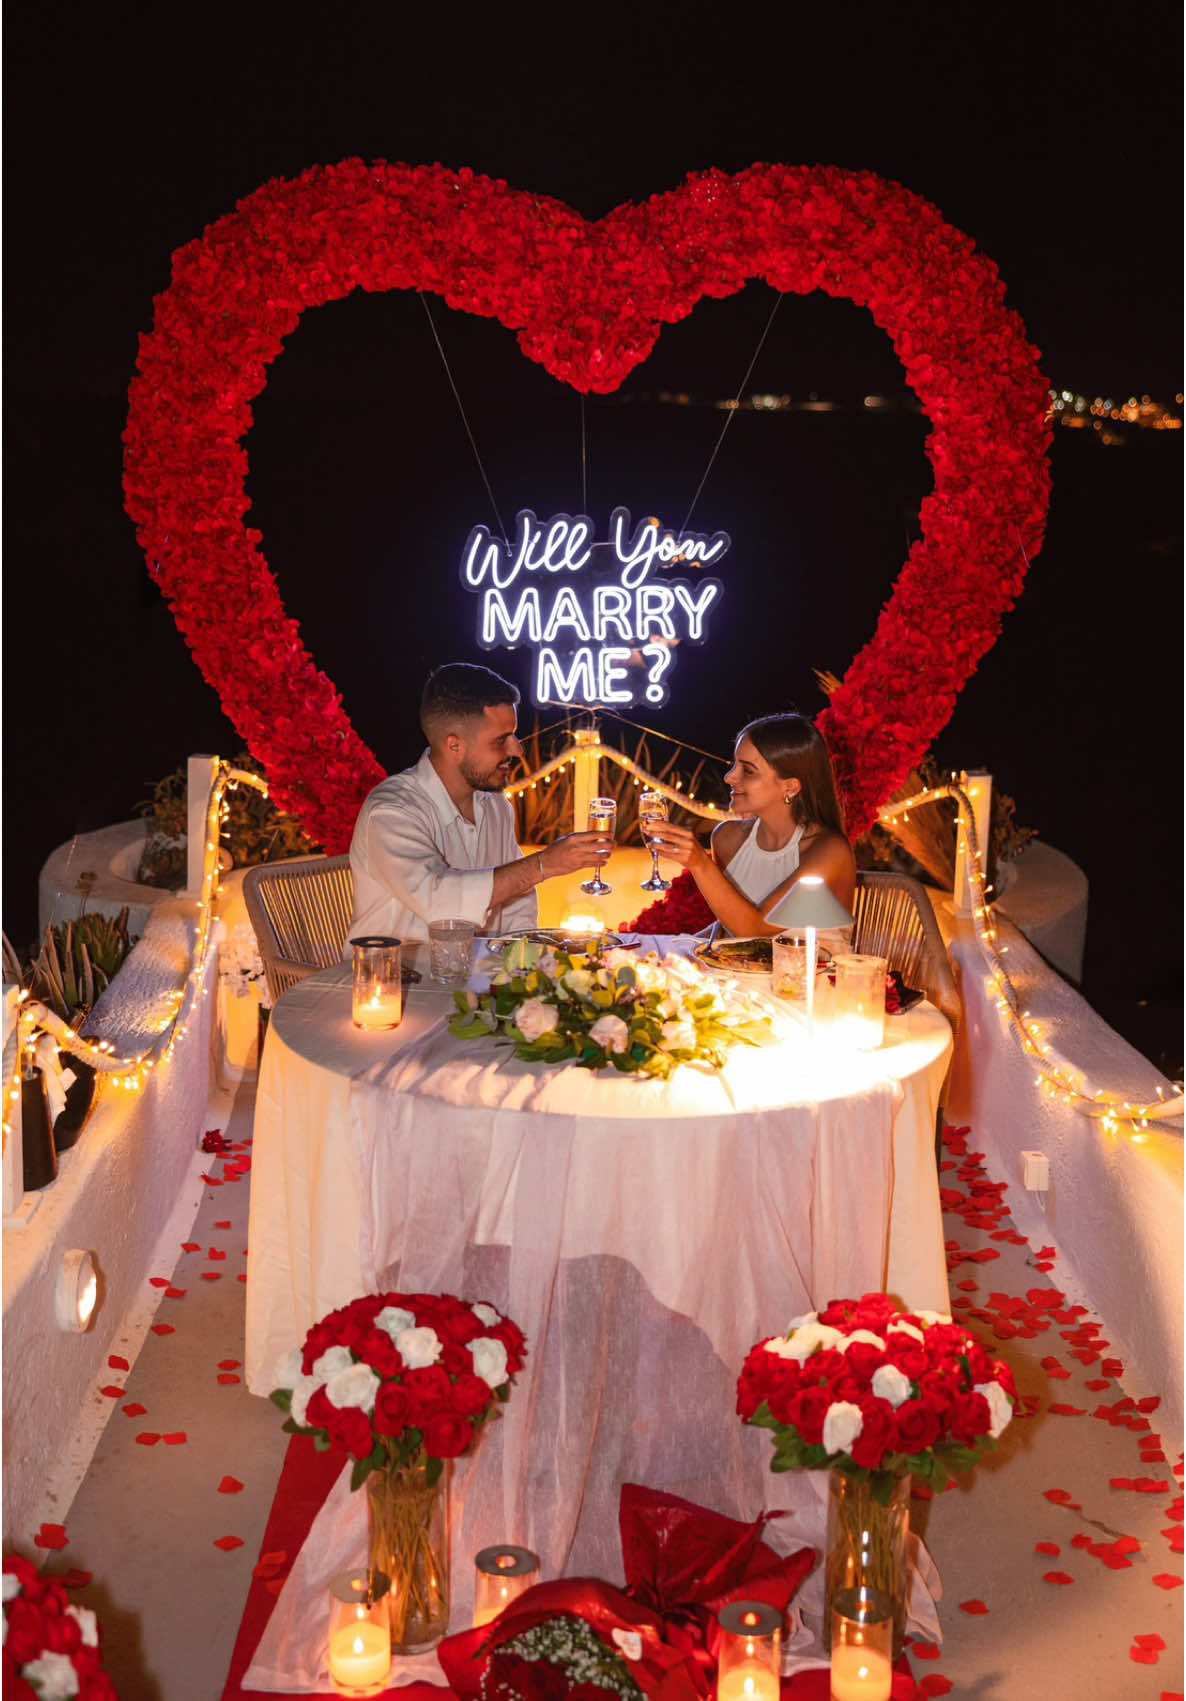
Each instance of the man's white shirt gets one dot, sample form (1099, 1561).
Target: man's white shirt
(416, 859)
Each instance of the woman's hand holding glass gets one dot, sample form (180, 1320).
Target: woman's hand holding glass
(679, 844)
(652, 813)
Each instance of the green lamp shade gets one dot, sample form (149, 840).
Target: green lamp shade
(810, 903)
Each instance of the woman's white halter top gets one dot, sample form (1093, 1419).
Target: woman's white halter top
(757, 872)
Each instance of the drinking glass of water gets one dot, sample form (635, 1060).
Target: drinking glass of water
(451, 951)
(603, 818)
(652, 812)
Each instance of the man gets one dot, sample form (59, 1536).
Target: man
(437, 841)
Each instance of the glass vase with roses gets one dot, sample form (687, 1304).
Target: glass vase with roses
(403, 1383)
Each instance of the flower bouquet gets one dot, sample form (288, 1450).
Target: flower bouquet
(51, 1649)
(562, 1656)
(642, 1017)
(403, 1382)
(876, 1395)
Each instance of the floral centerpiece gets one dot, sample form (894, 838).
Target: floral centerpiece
(563, 1656)
(641, 1016)
(51, 1648)
(403, 1383)
(875, 1395)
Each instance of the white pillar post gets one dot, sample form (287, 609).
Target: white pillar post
(587, 775)
(201, 773)
(978, 787)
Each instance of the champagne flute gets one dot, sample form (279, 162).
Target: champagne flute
(652, 811)
(603, 818)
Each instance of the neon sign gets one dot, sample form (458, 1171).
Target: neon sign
(597, 638)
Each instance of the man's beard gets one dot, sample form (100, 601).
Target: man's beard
(493, 779)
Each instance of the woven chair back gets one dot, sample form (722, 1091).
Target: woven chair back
(895, 920)
(301, 915)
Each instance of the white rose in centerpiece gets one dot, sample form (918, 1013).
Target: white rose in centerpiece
(288, 1370)
(890, 1384)
(679, 1035)
(486, 1314)
(806, 1339)
(843, 1422)
(11, 1586)
(683, 971)
(52, 1676)
(779, 1345)
(490, 1360)
(866, 1335)
(611, 1033)
(393, 1320)
(899, 1328)
(1000, 1407)
(534, 1018)
(578, 981)
(419, 1347)
(650, 976)
(929, 1317)
(354, 1387)
(798, 1322)
(331, 1361)
(88, 1624)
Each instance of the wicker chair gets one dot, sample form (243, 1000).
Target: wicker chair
(301, 912)
(894, 920)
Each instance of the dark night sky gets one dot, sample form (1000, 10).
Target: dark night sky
(1049, 131)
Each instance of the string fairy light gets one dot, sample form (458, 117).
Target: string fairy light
(130, 1073)
(1055, 1076)
(685, 800)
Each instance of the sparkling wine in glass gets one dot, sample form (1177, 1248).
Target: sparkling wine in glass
(603, 818)
(652, 811)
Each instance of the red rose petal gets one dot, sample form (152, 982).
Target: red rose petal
(1166, 1580)
(230, 1364)
(134, 1409)
(1150, 1403)
(158, 1281)
(163, 1329)
(148, 1438)
(191, 1246)
(230, 1485)
(1174, 1533)
(228, 1544)
(215, 1253)
(175, 1439)
(969, 1286)
(1052, 1548)
(228, 1377)
(935, 1684)
(1144, 1656)
(1042, 1264)
(269, 1563)
(925, 1651)
(1045, 1252)
(240, 1277)
(1081, 1540)
(1060, 1410)
(114, 1362)
(223, 1225)
(1059, 1496)
(1150, 1485)
(1056, 1577)
(973, 1606)
(74, 1579)
(211, 1275)
(1126, 1544)
(1149, 1641)
(1097, 1384)
(174, 1293)
(112, 1392)
(1121, 1482)
(51, 1536)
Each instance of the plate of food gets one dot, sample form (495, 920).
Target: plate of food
(558, 938)
(745, 956)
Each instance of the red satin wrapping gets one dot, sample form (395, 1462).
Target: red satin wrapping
(682, 1564)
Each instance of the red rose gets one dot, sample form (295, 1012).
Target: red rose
(970, 1418)
(945, 1340)
(873, 1311)
(428, 1392)
(515, 1342)
(807, 1412)
(862, 1359)
(877, 1434)
(391, 1408)
(851, 1388)
(838, 1314)
(824, 1366)
(909, 1358)
(319, 1410)
(377, 1349)
(320, 1338)
(447, 1435)
(470, 1395)
(457, 1360)
(25, 1637)
(918, 1426)
(351, 1430)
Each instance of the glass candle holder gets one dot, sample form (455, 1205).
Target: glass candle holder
(503, 1574)
(858, 1004)
(359, 1633)
(378, 985)
(749, 1653)
(862, 1645)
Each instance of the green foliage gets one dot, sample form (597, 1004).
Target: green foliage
(75, 963)
(253, 831)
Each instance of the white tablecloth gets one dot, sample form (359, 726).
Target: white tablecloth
(644, 1234)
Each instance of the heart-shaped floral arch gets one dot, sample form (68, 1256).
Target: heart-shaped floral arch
(588, 302)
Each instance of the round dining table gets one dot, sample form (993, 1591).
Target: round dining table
(644, 1234)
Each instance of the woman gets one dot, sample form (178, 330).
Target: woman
(783, 789)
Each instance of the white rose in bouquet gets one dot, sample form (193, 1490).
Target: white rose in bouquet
(490, 1360)
(843, 1422)
(578, 981)
(419, 1347)
(611, 1033)
(393, 1320)
(535, 1018)
(331, 1361)
(678, 1036)
(354, 1387)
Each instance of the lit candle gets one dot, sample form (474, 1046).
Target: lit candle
(503, 1574)
(860, 1674)
(756, 1684)
(381, 1010)
(360, 1658)
(748, 1652)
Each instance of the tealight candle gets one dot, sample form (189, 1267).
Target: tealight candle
(359, 1634)
(378, 984)
(862, 1647)
(503, 1574)
(748, 1652)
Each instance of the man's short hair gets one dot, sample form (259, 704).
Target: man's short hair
(461, 691)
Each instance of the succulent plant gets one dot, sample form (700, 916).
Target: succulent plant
(75, 963)
(253, 829)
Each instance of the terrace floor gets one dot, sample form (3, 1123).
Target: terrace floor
(1038, 1599)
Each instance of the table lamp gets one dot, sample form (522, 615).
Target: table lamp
(810, 904)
